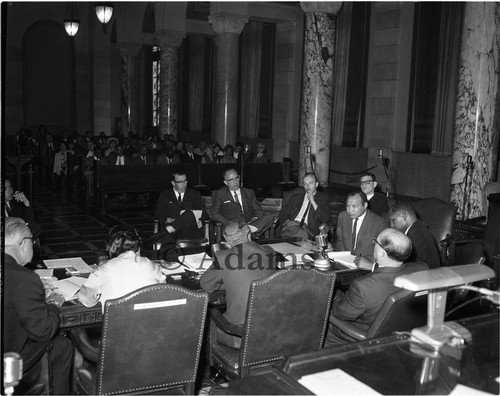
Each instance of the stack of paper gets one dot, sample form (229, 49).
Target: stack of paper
(293, 254)
(199, 262)
(69, 286)
(344, 257)
(73, 265)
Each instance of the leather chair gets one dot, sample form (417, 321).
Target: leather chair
(440, 218)
(287, 314)
(151, 341)
(403, 310)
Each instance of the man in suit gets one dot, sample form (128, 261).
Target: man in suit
(143, 158)
(366, 294)
(235, 203)
(357, 225)
(181, 210)
(190, 157)
(377, 202)
(260, 155)
(234, 269)
(31, 314)
(118, 157)
(18, 205)
(404, 219)
(302, 215)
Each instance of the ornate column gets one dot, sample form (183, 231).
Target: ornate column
(228, 28)
(317, 88)
(475, 147)
(129, 88)
(169, 41)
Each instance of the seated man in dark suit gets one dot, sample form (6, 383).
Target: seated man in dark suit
(18, 205)
(234, 270)
(366, 294)
(190, 157)
(181, 210)
(118, 157)
(235, 203)
(304, 212)
(260, 155)
(377, 202)
(31, 314)
(404, 219)
(357, 225)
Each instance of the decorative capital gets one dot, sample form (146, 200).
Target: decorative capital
(327, 7)
(227, 23)
(169, 38)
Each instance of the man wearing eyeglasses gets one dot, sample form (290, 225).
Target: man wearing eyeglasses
(235, 203)
(377, 202)
(366, 294)
(357, 225)
(180, 210)
(31, 314)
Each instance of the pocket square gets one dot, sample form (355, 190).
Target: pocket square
(227, 201)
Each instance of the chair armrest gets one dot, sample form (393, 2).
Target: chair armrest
(224, 325)
(82, 341)
(348, 328)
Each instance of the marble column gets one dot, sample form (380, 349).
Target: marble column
(129, 90)
(228, 29)
(478, 109)
(169, 42)
(317, 89)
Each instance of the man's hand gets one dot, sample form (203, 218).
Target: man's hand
(363, 263)
(56, 299)
(48, 287)
(169, 220)
(20, 197)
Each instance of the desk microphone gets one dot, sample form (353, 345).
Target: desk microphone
(12, 371)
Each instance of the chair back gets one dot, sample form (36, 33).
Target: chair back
(403, 310)
(151, 340)
(438, 215)
(287, 314)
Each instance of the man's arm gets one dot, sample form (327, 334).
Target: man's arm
(255, 205)
(211, 280)
(339, 244)
(351, 305)
(322, 212)
(217, 204)
(90, 292)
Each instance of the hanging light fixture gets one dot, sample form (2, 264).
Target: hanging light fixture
(104, 12)
(71, 24)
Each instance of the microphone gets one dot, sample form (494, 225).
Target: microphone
(12, 371)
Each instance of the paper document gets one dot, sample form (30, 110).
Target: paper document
(45, 273)
(74, 265)
(69, 286)
(324, 382)
(344, 257)
(199, 262)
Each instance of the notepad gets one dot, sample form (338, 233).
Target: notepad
(324, 382)
(74, 265)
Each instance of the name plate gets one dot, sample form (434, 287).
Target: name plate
(160, 304)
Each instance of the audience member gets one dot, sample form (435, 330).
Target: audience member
(118, 157)
(124, 272)
(235, 203)
(304, 212)
(404, 219)
(111, 146)
(189, 157)
(208, 158)
(18, 205)
(228, 157)
(168, 157)
(377, 202)
(239, 152)
(201, 149)
(366, 294)
(260, 155)
(357, 225)
(234, 270)
(180, 210)
(30, 313)
(61, 166)
(143, 158)
(89, 167)
(218, 153)
(47, 154)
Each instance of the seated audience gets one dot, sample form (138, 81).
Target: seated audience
(304, 212)
(235, 203)
(404, 219)
(228, 157)
(233, 270)
(30, 313)
(190, 157)
(181, 210)
(377, 202)
(366, 294)
(118, 157)
(124, 272)
(201, 149)
(357, 225)
(168, 157)
(18, 205)
(218, 152)
(208, 157)
(260, 155)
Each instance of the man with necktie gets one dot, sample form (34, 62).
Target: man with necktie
(235, 203)
(180, 210)
(358, 225)
(261, 155)
(143, 158)
(190, 157)
(118, 157)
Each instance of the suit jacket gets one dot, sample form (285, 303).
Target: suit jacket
(27, 318)
(111, 159)
(168, 204)
(263, 159)
(140, 161)
(225, 209)
(366, 294)
(372, 226)
(423, 245)
(234, 271)
(163, 159)
(314, 218)
(378, 205)
(185, 159)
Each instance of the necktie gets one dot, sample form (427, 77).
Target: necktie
(180, 198)
(8, 210)
(237, 200)
(354, 228)
(303, 219)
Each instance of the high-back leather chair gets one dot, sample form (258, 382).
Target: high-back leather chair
(151, 341)
(440, 218)
(287, 313)
(403, 310)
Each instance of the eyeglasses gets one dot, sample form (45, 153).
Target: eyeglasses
(365, 182)
(32, 239)
(180, 181)
(378, 243)
(233, 179)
